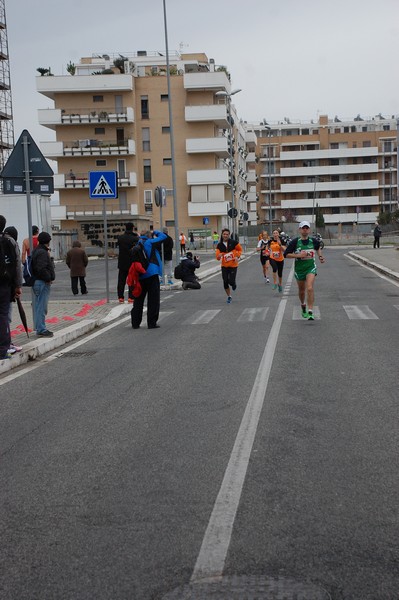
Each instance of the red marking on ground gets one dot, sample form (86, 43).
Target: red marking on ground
(84, 310)
(100, 302)
(53, 320)
(66, 318)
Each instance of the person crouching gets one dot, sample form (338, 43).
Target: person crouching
(188, 266)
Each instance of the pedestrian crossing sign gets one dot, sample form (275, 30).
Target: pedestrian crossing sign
(103, 184)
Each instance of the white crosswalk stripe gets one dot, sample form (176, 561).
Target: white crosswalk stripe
(249, 315)
(202, 317)
(359, 312)
(297, 313)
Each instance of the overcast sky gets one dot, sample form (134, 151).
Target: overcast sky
(292, 58)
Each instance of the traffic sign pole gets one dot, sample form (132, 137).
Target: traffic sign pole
(106, 249)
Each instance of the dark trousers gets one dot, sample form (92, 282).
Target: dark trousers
(5, 337)
(229, 277)
(150, 286)
(122, 275)
(74, 285)
(376, 241)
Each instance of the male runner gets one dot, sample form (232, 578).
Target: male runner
(304, 250)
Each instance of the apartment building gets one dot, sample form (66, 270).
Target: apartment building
(111, 113)
(346, 167)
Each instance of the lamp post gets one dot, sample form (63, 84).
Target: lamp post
(269, 168)
(314, 200)
(228, 104)
(172, 139)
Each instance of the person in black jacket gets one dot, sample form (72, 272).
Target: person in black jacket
(377, 235)
(44, 274)
(188, 266)
(126, 242)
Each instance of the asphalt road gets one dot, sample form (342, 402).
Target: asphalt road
(236, 449)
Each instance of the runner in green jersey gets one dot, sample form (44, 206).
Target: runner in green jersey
(304, 250)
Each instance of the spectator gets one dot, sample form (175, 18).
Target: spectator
(10, 287)
(192, 245)
(44, 274)
(168, 256)
(126, 242)
(25, 243)
(13, 233)
(149, 280)
(183, 241)
(77, 261)
(377, 235)
(188, 266)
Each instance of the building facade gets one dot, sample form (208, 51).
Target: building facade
(346, 168)
(112, 114)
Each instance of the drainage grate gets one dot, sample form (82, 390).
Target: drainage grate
(250, 588)
(78, 354)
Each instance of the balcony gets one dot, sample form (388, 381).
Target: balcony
(251, 176)
(67, 84)
(307, 203)
(216, 80)
(200, 209)
(218, 146)
(330, 153)
(208, 177)
(329, 170)
(87, 147)
(81, 181)
(327, 186)
(214, 113)
(51, 117)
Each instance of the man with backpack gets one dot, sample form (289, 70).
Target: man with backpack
(146, 252)
(10, 285)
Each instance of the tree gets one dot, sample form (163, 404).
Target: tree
(319, 218)
(43, 71)
(71, 68)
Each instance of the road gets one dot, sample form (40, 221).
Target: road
(237, 449)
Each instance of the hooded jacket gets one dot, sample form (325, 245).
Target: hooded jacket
(188, 267)
(152, 253)
(42, 265)
(230, 257)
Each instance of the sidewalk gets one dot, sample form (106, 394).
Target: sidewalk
(70, 319)
(384, 260)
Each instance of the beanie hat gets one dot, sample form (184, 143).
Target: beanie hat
(11, 231)
(189, 255)
(44, 237)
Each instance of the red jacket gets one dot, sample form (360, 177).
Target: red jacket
(132, 279)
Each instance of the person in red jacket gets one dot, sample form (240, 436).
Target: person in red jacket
(228, 251)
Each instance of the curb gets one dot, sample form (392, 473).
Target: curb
(376, 266)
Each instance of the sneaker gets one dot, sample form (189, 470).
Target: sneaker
(15, 348)
(170, 282)
(267, 280)
(121, 300)
(184, 285)
(280, 288)
(46, 333)
(274, 286)
(8, 355)
(310, 316)
(229, 299)
(304, 313)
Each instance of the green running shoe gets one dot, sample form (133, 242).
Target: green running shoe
(310, 316)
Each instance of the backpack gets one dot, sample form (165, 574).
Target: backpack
(28, 273)
(178, 271)
(138, 254)
(8, 260)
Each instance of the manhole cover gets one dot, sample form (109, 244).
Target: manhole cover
(249, 588)
(78, 354)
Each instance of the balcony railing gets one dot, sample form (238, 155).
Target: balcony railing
(99, 147)
(90, 115)
(81, 180)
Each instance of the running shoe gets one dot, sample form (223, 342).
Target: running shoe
(121, 300)
(310, 316)
(229, 299)
(234, 287)
(267, 280)
(274, 286)
(280, 288)
(304, 314)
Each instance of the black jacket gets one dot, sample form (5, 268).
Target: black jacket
(168, 248)
(126, 241)
(188, 267)
(231, 244)
(42, 265)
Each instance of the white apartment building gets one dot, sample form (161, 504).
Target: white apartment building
(346, 167)
(111, 113)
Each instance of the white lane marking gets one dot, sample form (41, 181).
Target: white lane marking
(202, 317)
(212, 555)
(297, 313)
(165, 314)
(359, 312)
(396, 306)
(249, 315)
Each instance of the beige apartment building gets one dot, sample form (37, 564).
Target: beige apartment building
(346, 167)
(111, 113)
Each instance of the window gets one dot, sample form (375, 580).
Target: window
(99, 130)
(145, 114)
(338, 130)
(145, 133)
(305, 131)
(164, 97)
(167, 161)
(101, 163)
(98, 98)
(147, 170)
(334, 146)
(147, 196)
(386, 127)
(354, 144)
(166, 129)
(366, 144)
(122, 199)
(364, 128)
(346, 129)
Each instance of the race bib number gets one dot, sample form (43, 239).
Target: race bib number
(265, 252)
(227, 257)
(276, 254)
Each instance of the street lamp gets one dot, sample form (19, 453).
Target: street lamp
(314, 201)
(172, 139)
(234, 211)
(269, 168)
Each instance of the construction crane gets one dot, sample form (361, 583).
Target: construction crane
(6, 118)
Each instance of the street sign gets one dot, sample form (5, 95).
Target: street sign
(160, 195)
(40, 173)
(232, 212)
(205, 220)
(103, 184)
